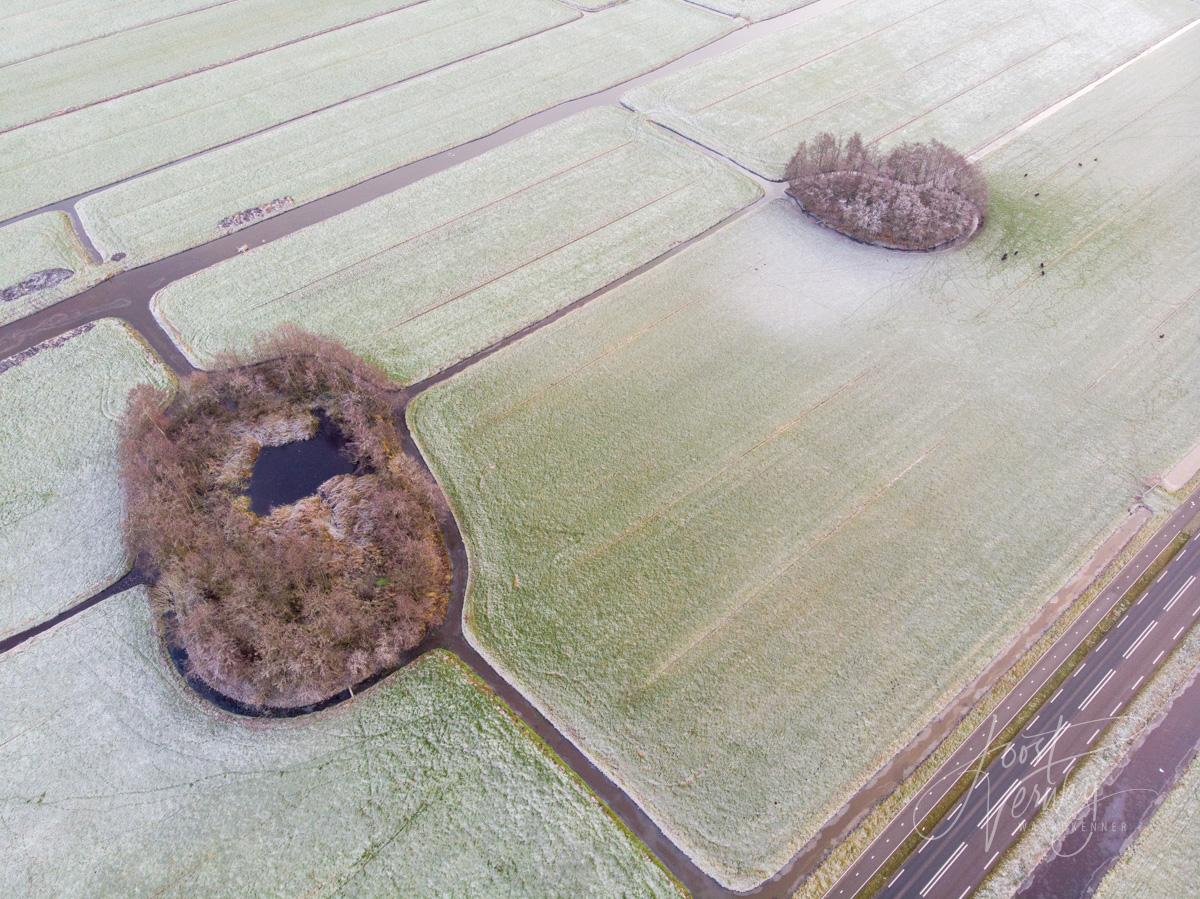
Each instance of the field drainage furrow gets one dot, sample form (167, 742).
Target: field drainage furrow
(250, 54)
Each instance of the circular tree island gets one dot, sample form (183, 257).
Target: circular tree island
(917, 196)
(283, 604)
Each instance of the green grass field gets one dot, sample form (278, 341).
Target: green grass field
(130, 60)
(744, 524)
(38, 244)
(120, 781)
(424, 276)
(956, 70)
(96, 146)
(182, 205)
(753, 10)
(27, 31)
(60, 505)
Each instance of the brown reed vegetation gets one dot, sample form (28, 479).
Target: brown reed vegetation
(289, 608)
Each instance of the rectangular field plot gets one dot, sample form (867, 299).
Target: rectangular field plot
(42, 262)
(60, 504)
(90, 148)
(753, 10)
(119, 782)
(421, 278)
(30, 28)
(130, 60)
(189, 203)
(956, 70)
(745, 523)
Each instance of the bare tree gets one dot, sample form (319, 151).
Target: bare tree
(913, 197)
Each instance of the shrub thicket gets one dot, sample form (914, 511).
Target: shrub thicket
(289, 608)
(913, 197)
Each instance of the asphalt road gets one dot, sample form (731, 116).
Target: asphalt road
(957, 855)
(1000, 803)
(1111, 820)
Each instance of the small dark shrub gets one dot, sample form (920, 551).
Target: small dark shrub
(289, 608)
(914, 197)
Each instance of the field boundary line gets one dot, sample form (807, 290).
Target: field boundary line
(1011, 135)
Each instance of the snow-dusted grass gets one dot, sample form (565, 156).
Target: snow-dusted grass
(182, 205)
(427, 275)
(93, 147)
(130, 60)
(37, 244)
(959, 71)
(1162, 862)
(745, 523)
(60, 505)
(29, 28)
(119, 781)
(753, 10)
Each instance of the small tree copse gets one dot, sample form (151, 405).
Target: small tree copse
(287, 609)
(917, 196)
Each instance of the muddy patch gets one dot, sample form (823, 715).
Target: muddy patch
(43, 280)
(27, 354)
(255, 213)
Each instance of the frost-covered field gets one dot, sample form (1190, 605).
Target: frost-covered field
(60, 505)
(424, 276)
(27, 30)
(958, 70)
(182, 205)
(830, 481)
(133, 59)
(36, 253)
(753, 10)
(93, 147)
(1162, 863)
(119, 781)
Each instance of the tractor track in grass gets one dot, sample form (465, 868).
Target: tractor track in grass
(128, 296)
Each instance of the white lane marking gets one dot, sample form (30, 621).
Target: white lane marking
(963, 894)
(1138, 642)
(1119, 623)
(1178, 593)
(1045, 749)
(1137, 683)
(1096, 689)
(924, 844)
(1113, 713)
(1067, 770)
(1092, 738)
(995, 810)
(942, 870)
(1159, 656)
(897, 877)
(1077, 670)
(1161, 576)
(991, 861)
(1101, 646)
(1019, 826)
(1056, 695)
(1178, 632)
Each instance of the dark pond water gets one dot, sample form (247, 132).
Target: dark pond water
(284, 474)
